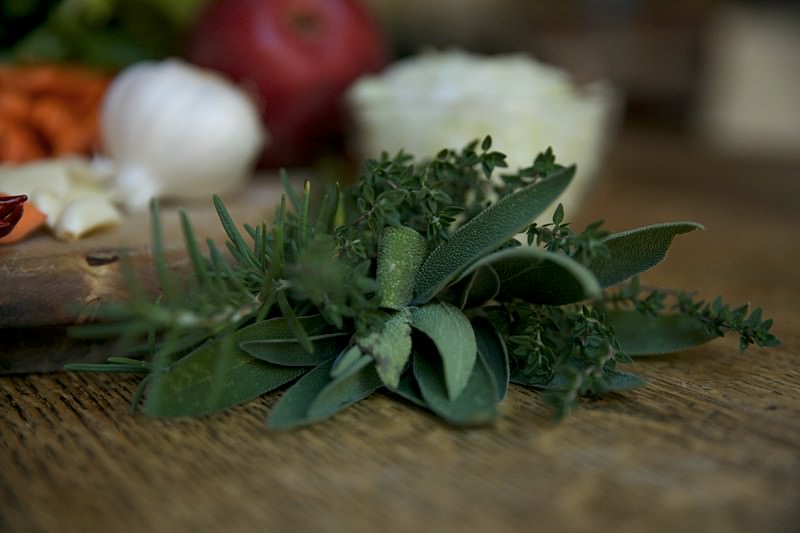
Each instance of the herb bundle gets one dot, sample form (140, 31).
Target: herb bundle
(426, 280)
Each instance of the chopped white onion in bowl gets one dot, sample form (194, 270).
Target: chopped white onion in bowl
(446, 99)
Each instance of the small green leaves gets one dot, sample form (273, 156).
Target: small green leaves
(390, 347)
(640, 334)
(454, 339)
(400, 253)
(317, 396)
(487, 232)
(634, 251)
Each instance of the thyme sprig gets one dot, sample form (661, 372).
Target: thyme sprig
(414, 281)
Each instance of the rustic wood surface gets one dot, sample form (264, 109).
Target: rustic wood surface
(48, 285)
(46, 282)
(712, 444)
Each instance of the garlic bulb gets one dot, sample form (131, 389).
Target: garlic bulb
(175, 130)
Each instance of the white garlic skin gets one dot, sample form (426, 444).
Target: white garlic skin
(174, 130)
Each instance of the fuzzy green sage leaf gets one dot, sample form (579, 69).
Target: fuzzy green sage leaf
(634, 251)
(454, 339)
(292, 353)
(476, 404)
(400, 253)
(540, 277)
(486, 232)
(317, 396)
(185, 388)
(492, 351)
(640, 335)
(390, 347)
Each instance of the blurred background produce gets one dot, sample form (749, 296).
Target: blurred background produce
(106, 34)
(712, 68)
(724, 73)
(48, 110)
(298, 57)
(71, 195)
(174, 130)
(527, 106)
(721, 74)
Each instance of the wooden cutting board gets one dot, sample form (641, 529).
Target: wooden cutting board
(47, 285)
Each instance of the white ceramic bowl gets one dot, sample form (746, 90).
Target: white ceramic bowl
(446, 99)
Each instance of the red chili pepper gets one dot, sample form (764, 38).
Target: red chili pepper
(10, 212)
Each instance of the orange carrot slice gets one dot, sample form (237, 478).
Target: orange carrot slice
(31, 220)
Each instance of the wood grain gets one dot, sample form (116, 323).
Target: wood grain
(712, 444)
(46, 282)
(48, 285)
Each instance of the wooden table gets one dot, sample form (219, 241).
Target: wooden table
(713, 444)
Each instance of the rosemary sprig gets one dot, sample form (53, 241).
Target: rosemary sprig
(412, 281)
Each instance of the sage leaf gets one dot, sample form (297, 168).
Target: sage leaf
(342, 372)
(401, 251)
(344, 391)
(540, 277)
(185, 388)
(275, 341)
(280, 329)
(409, 390)
(454, 339)
(291, 353)
(486, 232)
(634, 251)
(390, 347)
(291, 409)
(492, 351)
(316, 396)
(641, 335)
(477, 403)
(479, 287)
(345, 360)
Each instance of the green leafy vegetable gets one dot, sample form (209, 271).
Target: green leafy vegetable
(635, 251)
(475, 404)
(492, 352)
(317, 396)
(639, 334)
(401, 252)
(390, 347)
(411, 281)
(454, 339)
(185, 389)
(540, 277)
(486, 232)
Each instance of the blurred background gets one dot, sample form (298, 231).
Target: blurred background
(726, 73)
(723, 73)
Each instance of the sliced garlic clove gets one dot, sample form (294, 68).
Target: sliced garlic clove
(50, 175)
(84, 214)
(49, 203)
